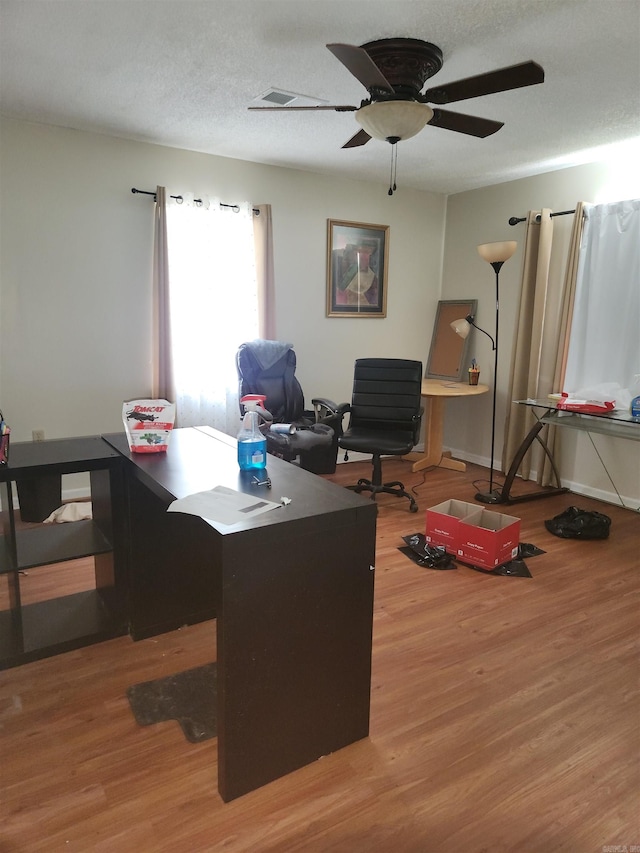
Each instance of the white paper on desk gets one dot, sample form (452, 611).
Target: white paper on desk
(223, 505)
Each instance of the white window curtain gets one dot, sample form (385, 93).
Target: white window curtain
(604, 345)
(213, 307)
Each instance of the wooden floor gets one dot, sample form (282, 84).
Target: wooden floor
(504, 717)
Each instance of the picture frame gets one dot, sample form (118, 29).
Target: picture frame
(357, 263)
(449, 352)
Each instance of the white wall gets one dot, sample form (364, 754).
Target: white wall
(76, 270)
(481, 216)
(75, 278)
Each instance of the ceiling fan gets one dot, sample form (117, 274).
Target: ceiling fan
(394, 71)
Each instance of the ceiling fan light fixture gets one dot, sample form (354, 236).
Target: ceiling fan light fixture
(386, 120)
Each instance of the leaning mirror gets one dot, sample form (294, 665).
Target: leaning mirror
(448, 353)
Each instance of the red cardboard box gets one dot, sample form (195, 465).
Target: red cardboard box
(443, 521)
(489, 539)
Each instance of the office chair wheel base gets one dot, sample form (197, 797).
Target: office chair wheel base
(396, 488)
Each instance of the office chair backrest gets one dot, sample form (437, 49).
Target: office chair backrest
(386, 394)
(268, 367)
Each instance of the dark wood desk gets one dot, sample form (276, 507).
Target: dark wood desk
(292, 591)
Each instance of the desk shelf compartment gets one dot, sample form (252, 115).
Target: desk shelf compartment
(55, 543)
(36, 630)
(51, 627)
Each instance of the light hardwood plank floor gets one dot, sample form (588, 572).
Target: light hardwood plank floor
(504, 717)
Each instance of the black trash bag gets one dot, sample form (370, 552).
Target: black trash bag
(430, 556)
(525, 549)
(576, 523)
(514, 568)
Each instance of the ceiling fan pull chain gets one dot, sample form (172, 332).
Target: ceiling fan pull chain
(395, 165)
(394, 169)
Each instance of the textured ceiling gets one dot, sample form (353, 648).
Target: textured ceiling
(183, 72)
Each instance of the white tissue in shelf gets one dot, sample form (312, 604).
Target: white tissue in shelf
(70, 512)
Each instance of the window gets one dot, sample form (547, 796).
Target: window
(604, 346)
(213, 307)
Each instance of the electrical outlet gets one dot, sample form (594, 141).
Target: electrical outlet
(37, 435)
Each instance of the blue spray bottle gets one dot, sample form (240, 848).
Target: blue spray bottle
(252, 445)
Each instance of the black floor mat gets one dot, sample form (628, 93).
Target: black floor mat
(188, 697)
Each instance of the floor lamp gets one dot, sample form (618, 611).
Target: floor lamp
(495, 254)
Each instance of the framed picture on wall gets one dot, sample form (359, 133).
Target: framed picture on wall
(357, 256)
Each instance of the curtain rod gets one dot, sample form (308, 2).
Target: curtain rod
(179, 199)
(514, 219)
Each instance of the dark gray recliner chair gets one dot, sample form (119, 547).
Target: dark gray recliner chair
(268, 368)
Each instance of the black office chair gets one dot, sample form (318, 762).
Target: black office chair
(268, 368)
(385, 417)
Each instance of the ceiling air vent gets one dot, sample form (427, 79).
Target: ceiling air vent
(274, 97)
(279, 98)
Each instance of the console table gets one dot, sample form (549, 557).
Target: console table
(618, 424)
(437, 391)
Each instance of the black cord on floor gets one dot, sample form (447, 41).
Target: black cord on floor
(425, 471)
(477, 483)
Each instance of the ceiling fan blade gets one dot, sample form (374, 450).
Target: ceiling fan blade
(513, 77)
(359, 63)
(471, 125)
(361, 138)
(339, 108)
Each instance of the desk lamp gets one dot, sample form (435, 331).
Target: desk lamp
(495, 254)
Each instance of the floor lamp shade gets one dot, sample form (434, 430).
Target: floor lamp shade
(461, 327)
(497, 252)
